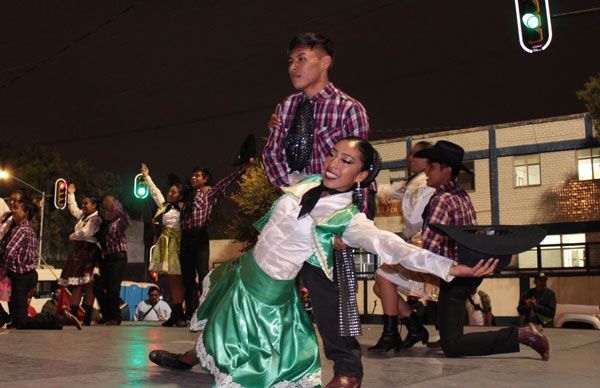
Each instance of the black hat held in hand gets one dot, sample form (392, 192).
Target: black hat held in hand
(476, 242)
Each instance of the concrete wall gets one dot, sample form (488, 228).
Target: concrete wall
(551, 131)
(526, 205)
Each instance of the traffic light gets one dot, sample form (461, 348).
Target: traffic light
(140, 188)
(60, 194)
(534, 25)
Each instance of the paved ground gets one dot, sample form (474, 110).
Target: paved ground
(117, 356)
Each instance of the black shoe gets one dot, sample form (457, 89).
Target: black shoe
(390, 338)
(416, 332)
(168, 360)
(4, 318)
(169, 322)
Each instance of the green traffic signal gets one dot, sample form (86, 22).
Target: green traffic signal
(531, 21)
(534, 24)
(140, 188)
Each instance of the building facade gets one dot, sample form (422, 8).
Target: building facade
(541, 172)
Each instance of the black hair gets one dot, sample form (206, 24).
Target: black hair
(95, 200)
(152, 289)
(311, 40)
(29, 207)
(206, 173)
(21, 193)
(371, 161)
(455, 169)
(180, 186)
(422, 145)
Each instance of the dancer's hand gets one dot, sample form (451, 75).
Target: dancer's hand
(144, 170)
(338, 244)
(274, 122)
(71, 188)
(479, 270)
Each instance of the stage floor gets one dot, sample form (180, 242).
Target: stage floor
(101, 356)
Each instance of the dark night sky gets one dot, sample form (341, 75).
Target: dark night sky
(180, 83)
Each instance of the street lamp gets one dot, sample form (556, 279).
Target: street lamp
(5, 175)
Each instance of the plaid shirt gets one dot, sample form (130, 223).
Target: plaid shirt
(336, 114)
(198, 215)
(116, 239)
(449, 205)
(20, 256)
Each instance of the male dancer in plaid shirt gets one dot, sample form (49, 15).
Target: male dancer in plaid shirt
(20, 262)
(335, 116)
(195, 214)
(451, 205)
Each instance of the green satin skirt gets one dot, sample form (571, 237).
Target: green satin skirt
(254, 331)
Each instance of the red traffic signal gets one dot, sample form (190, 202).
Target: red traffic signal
(60, 194)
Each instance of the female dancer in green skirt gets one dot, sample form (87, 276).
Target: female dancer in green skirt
(254, 331)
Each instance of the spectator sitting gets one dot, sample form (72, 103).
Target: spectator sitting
(51, 305)
(539, 303)
(153, 308)
(475, 316)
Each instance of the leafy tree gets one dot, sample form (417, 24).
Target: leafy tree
(40, 167)
(590, 95)
(254, 200)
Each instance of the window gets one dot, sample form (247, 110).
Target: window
(398, 174)
(588, 164)
(466, 180)
(558, 251)
(527, 170)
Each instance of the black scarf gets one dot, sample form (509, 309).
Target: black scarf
(311, 197)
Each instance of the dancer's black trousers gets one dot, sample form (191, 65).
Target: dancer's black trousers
(343, 351)
(194, 254)
(108, 288)
(451, 321)
(21, 284)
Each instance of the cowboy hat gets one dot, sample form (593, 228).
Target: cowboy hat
(445, 152)
(476, 242)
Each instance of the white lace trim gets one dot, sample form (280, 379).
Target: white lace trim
(309, 381)
(195, 324)
(222, 380)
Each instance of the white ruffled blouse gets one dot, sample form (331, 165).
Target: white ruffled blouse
(170, 219)
(286, 242)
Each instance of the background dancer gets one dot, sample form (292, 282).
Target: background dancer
(197, 207)
(451, 205)
(165, 256)
(113, 240)
(20, 261)
(84, 254)
(415, 195)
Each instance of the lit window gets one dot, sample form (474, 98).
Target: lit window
(527, 170)
(558, 251)
(588, 164)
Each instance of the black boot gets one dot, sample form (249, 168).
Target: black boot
(172, 319)
(416, 331)
(390, 338)
(180, 316)
(87, 318)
